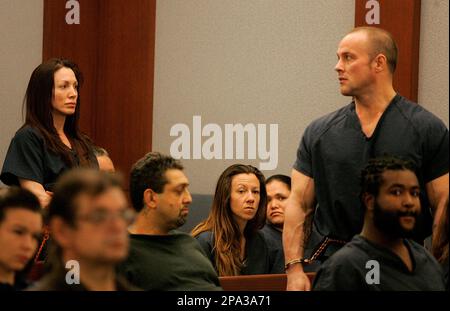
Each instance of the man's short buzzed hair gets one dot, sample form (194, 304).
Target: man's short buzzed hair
(150, 173)
(381, 42)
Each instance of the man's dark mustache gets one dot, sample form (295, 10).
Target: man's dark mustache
(407, 214)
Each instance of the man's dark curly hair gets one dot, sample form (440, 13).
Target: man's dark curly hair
(150, 173)
(371, 175)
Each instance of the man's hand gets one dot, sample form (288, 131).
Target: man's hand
(297, 280)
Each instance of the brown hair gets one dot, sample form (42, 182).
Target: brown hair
(220, 221)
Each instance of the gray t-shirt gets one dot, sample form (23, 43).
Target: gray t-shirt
(168, 262)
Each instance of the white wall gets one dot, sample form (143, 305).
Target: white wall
(246, 62)
(264, 62)
(232, 61)
(21, 28)
(433, 63)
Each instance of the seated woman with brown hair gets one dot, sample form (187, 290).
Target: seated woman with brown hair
(230, 234)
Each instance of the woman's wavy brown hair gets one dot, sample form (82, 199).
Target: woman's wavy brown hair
(220, 221)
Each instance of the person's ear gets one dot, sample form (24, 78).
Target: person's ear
(61, 232)
(380, 63)
(369, 201)
(150, 198)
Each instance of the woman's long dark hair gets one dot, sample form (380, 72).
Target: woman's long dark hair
(221, 223)
(38, 106)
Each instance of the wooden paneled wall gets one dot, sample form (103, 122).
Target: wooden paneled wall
(402, 19)
(114, 47)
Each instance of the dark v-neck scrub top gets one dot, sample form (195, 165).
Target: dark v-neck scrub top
(29, 158)
(363, 265)
(334, 150)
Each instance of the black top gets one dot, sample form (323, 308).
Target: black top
(352, 265)
(274, 240)
(445, 267)
(18, 285)
(56, 281)
(6, 287)
(168, 262)
(257, 252)
(29, 158)
(334, 150)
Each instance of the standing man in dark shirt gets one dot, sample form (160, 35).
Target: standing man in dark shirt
(336, 147)
(278, 188)
(381, 257)
(162, 258)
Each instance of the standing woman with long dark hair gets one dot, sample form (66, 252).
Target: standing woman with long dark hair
(230, 235)
(50, 141)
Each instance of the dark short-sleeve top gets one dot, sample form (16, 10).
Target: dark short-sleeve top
(257, 252)
(55, 280)
(353, 268)
(29, 158)
(168, 262)
(334, 150)
(274, 241)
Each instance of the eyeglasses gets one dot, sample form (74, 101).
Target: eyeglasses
(101, 216)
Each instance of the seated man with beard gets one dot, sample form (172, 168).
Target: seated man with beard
(381, 257)
(162, 258)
